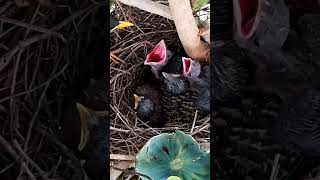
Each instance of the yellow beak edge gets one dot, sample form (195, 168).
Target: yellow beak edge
(137, 99)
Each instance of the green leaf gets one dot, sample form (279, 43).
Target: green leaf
(198, 4)
(176, 154)
(173, 178)
(112, 2)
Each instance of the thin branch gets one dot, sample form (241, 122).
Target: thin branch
(41, 172)
(5, 60)
(15, 156)
(275, 167)
(74, 162)
(194, 121)
(32, 27)
(28, 171)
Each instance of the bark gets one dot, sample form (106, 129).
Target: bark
(188, 31)
(205, 34)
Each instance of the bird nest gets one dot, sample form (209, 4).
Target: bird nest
(39, 46)
(128, 51)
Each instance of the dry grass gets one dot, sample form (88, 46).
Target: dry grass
(38, 48)
(128, 133)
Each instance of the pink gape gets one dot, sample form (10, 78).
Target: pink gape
(157, 58)
(157, 55)
(186, 65)
(191, 68)
(248, 10)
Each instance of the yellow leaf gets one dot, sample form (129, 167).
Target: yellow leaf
(124, 24)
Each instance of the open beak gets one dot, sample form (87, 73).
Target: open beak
(137, 99)
(158, 55)
(245, 12)
(88, 117)
(122, 25)
(186, 63)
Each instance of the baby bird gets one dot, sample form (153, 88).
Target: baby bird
(279, 55)
(84, 128)
(289, 73)
(147, 105)
(299, 123)
(96, 162)
(197, 77)
(158, 58)
(93, 115)
(199, 82)
(161, 59)
(264, 24)
(204, 101)
(175, 83)
(177, 99)
(95, 95)
(230, 74)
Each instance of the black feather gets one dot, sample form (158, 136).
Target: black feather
(149, 109)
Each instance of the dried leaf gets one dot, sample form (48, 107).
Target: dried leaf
(115, 174)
